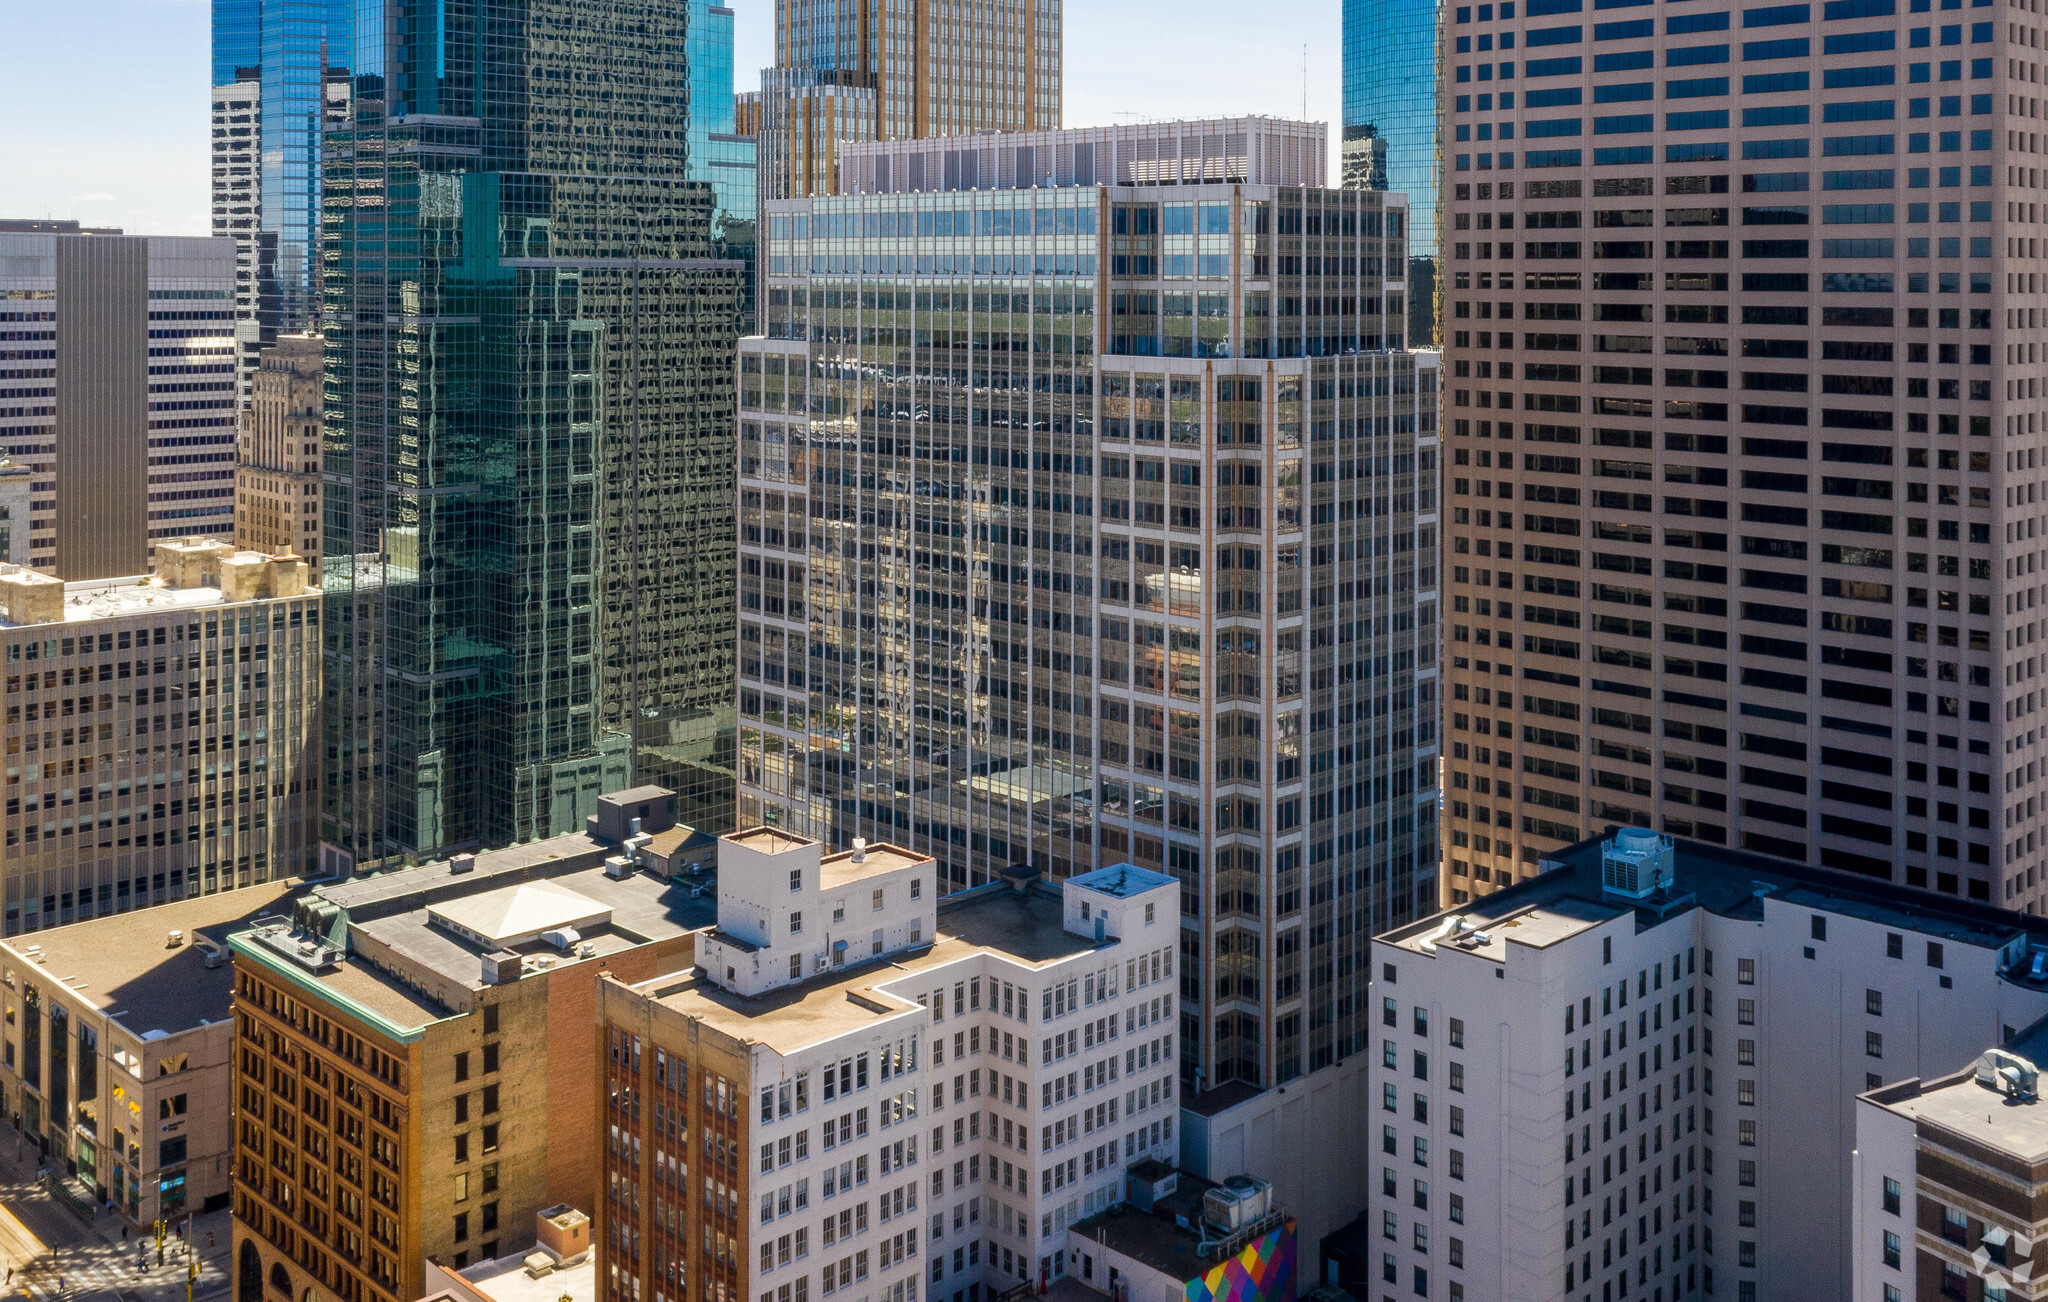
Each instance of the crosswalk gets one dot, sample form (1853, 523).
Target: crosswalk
(76, 1275)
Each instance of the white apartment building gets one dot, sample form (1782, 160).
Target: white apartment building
(887, 1094)
(237, 212)
(1636, 1075)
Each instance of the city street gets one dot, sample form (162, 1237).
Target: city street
(48, 1251)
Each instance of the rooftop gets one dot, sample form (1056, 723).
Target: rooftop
(190, 573)
(1025, 928)
(1121, 881)
(508, 1279)
(849, 866)
(1568, 898)
(445, 920)
(513, 915)
(1257, 150)
(124, 966)
(609, 915)
(1168, 1237)
(1958, 1104)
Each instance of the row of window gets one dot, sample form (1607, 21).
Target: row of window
(1637, 60)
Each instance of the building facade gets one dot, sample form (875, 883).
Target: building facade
(532, 584)
(413, 1060)
(1786, 469)
(1081, 522)
(867, 70)
(122, 1078)
(120, 362)
(1390, 129)
(1638, 1073)
(277, 455)
(238, 210)
(849, 1048)
(113, 804)
(721, 148)
(1951, 1174)
(295, 56)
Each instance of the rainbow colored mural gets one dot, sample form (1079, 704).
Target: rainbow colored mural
(1263, 1272)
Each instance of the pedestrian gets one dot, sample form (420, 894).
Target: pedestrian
(124, 1234)
(209, 1238)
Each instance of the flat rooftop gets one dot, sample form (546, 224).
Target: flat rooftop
(108, 598)
(1958, 1104)
(1155, 1238)
(497, 903)
(632, 911)
(1123, 880)
(1027, 929)
(124, 966)
(1568, 898)
(506, 1280)
(836, 871)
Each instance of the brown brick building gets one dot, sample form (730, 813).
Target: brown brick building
(412, 1078)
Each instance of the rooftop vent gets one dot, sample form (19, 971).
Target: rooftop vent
(860, 849)
(1020, 876)
(307, 949)
(461, 863)
(1636, 864)
(175, 939)
(2008, 1073)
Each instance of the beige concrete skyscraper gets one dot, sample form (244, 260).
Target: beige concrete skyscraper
(900, 69)
(1744, 404)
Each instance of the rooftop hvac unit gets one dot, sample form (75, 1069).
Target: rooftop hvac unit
(618, 867)
(1636, 863)
(1237, 1202)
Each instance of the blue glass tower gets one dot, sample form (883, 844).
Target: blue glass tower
(237, 40)
(1390, 126)
(717, 154)
(300, 50)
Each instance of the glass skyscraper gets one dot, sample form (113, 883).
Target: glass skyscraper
(718, 153)
(237, 38)
(529, 452)
(296, 54)
(849, 70)
(1390, 125)
(1087, 513)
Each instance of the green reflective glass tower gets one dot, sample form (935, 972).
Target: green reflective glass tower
(529, 501)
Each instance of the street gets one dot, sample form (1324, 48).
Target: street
(47, 1250)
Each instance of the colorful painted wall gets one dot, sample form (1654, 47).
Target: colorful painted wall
(1263, 1272)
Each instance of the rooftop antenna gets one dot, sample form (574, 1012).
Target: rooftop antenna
(1304, 82)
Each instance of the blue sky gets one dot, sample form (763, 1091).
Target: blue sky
(103, 103)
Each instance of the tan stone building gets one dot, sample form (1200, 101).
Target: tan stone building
(188, 766)
(277, 457)
(414, 1076)
(115, 1048)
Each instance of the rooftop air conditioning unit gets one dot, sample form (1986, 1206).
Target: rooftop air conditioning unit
(1636, 863)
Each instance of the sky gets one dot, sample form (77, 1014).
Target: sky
(104, 117)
